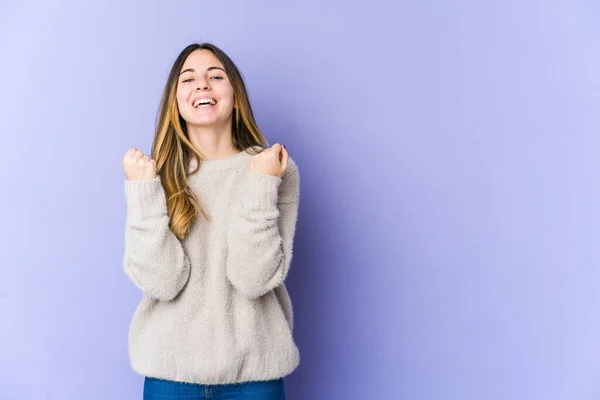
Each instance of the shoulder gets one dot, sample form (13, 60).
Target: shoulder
(290, 183)
(292, 169)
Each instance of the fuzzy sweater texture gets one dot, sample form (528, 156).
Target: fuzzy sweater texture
(214, 306)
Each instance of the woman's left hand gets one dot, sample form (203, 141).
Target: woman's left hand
(271, 161)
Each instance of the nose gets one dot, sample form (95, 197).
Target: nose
(202, 85)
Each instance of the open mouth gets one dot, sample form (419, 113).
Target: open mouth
(205, 102)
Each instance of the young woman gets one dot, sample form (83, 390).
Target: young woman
(211, 216)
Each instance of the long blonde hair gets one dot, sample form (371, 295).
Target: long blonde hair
(172, 149)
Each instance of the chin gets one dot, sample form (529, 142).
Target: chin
(202, 119)
(203, 122)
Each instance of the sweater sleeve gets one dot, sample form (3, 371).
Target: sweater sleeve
(154, 258)
(261, 235)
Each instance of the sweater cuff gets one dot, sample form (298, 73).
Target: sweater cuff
(145, 198)
(262, 192)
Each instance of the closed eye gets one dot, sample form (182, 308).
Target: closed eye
(191, 79)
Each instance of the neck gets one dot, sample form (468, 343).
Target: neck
(212, 142)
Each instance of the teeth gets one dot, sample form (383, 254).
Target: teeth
(200, 102)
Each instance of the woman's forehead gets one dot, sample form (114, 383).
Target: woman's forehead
(201, 59)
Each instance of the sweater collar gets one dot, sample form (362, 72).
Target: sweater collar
(223, 163)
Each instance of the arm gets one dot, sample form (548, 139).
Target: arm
(261, 235)
(154, 258)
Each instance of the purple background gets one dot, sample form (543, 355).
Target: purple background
(448, 245)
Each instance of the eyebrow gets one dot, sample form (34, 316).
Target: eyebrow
(193, 70)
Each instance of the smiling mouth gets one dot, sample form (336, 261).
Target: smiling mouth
(204, 103)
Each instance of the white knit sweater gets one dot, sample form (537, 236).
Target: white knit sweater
(214, 306)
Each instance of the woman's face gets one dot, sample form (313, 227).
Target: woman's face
(203, 77)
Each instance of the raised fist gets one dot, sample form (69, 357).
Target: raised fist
(271, 161)
(138, 166)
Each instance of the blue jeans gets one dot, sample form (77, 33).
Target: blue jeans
(160, 389)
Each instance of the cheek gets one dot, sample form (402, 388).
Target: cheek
(229, 93)
(181, 100)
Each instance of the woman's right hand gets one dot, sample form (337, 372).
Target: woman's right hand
(138, 166)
